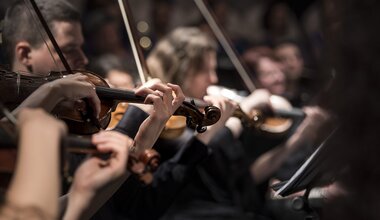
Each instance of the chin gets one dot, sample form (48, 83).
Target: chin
(278, 90)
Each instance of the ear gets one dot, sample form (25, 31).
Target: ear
(22, 53)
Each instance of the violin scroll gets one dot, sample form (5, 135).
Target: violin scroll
(212, 114)
(142, 166)
(195, 119)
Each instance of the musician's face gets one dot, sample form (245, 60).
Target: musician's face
(291, 60)
(70, 39)
(196, 84)
(270, 76)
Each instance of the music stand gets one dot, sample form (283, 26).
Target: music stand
(311, 174)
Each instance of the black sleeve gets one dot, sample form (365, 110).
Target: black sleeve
(149, 202)
(236, 164)
(222, 137)
(131, 121)
(224, 141)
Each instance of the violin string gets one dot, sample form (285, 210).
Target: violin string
(7, 114)
(41, 34)
(18, 82)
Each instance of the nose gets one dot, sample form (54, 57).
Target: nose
(82, 60)
(279, 76)
(213, 77)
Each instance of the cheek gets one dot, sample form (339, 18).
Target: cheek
(43, 63)
(201, 82)
(196, 87)
(265, 82)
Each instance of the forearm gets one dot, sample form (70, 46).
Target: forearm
(36, 180)
(45, 97)
(83, 205)
(148, 133)
(234, 124)
(268, 163)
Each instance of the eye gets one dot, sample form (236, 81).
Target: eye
(69, 49)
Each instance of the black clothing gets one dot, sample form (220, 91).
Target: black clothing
(131, 121)
(136, 201)
(221, 188)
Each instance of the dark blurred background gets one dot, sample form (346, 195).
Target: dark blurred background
(252, 25)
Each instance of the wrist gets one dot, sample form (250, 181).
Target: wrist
(148, 109)
(78, 203)
(159, 119)
(235, 126)
(247, 107)
(244, 108)
(156, 124)
(148, 133)
(55, 91)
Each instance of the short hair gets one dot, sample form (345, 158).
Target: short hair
(21, 25)
(179, 53)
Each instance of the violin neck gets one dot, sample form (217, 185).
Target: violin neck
(118, 95)
(294, 113)
(197, 102)
(76, 144)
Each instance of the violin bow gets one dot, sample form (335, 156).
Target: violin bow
(128, 19)
(225, 42)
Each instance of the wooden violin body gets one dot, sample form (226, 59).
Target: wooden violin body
(18, 87)
(117, 115)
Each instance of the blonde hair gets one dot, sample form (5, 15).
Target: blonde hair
(180, 54)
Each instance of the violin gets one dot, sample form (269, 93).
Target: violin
(117, 115)
(18, 87)
(140, 165)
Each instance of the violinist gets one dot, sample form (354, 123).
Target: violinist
(29, 55)
(68, 32)
(188, 57)
(35, 186)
